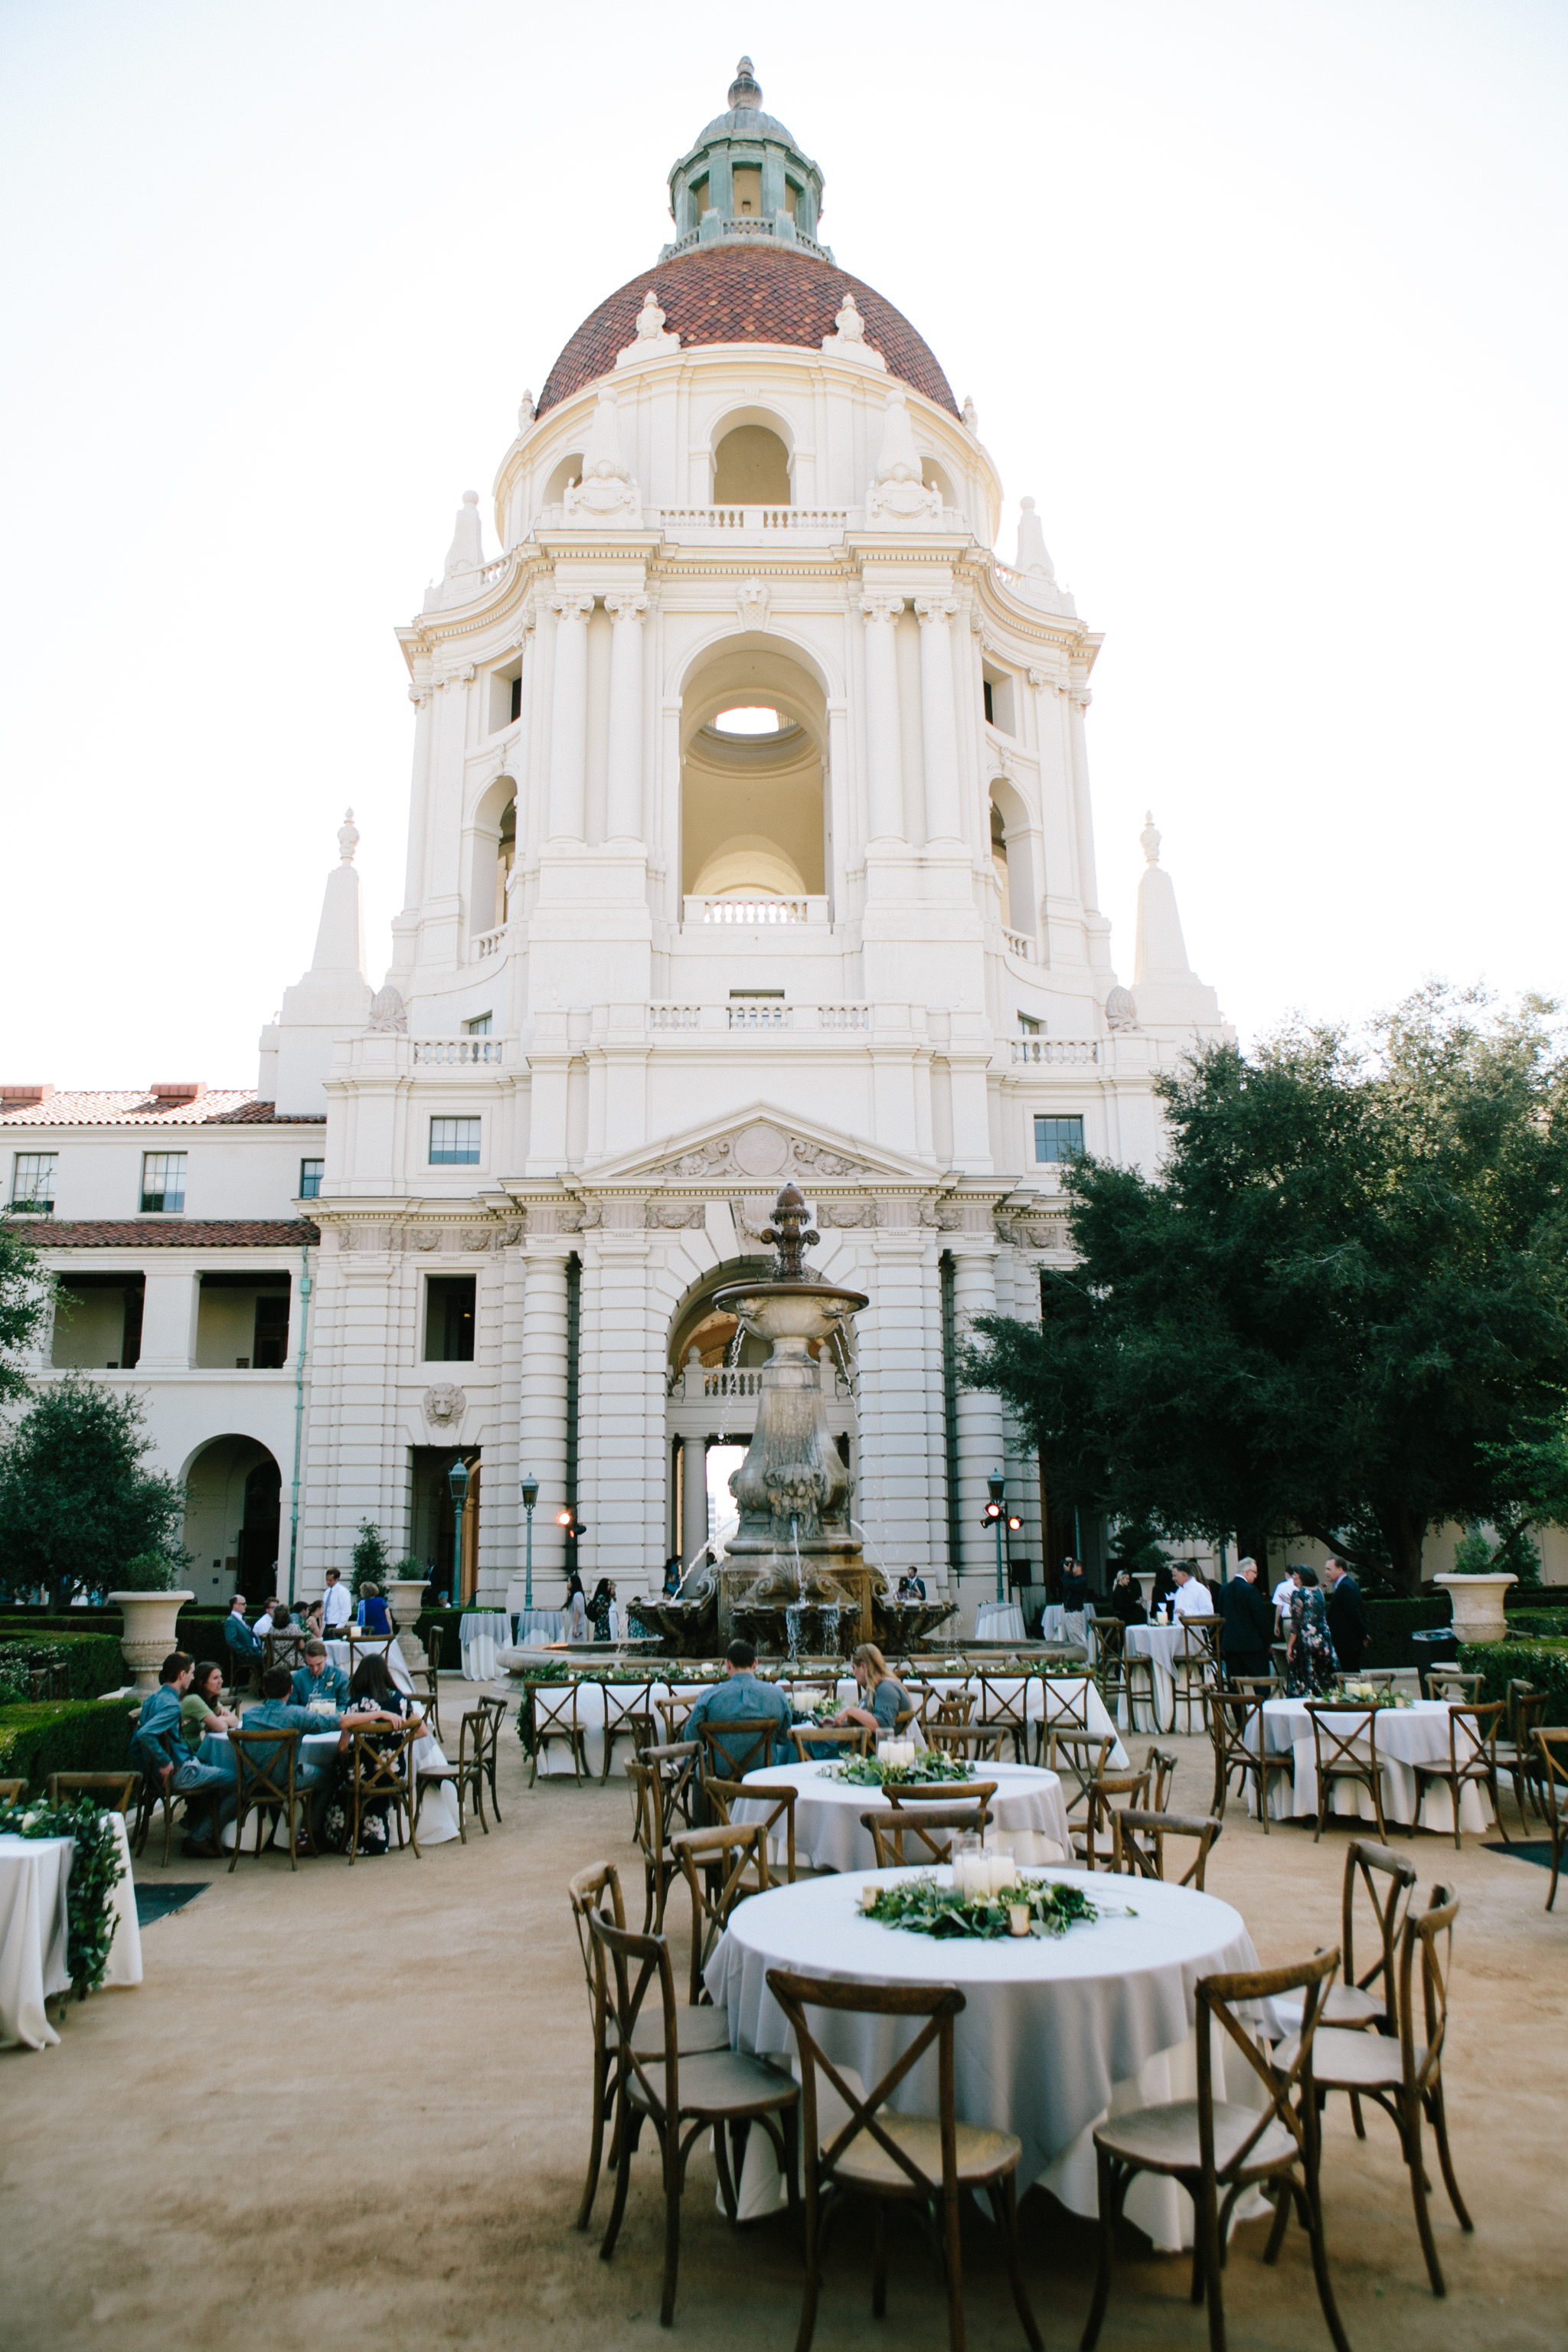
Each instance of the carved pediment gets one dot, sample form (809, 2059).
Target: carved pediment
(757, 1151)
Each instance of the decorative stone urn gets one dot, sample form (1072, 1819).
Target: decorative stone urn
(1478, 1614)
(406, 1597)
(149, 1634)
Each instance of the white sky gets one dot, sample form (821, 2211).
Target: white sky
(1263, 304)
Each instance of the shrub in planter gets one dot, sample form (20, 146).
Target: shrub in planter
(150, 1572)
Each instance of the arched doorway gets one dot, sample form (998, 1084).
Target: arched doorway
(233, 1514)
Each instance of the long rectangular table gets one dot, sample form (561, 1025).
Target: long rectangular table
(35, 1879)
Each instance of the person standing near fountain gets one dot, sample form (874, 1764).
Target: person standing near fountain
(886, 1696)
(741, 1699)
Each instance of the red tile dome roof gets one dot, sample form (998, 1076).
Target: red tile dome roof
(745, 294)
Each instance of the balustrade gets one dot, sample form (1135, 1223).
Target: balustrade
(1054, 1049)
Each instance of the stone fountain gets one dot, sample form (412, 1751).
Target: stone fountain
(795, 1583)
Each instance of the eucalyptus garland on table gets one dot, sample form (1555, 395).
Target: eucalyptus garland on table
(96, 1871)
(929, 1908)
(870, 1772)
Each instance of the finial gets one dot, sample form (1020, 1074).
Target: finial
(851, 326)
(1150, 838)
(525, 412)
(744, 90)
(787, 1235)
(348, 838)
(650, 317)
(971, 415)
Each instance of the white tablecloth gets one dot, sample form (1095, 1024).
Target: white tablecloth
(999, 1620)
(1048, 1698)
(1406, 1735)
(437, 1823)
(1163, 1644)
(483, 1633)
(537, 1627)
(34, 1873)
(345, 1659)
(1028, 1818)
(624, 1699)
(1056, 2033)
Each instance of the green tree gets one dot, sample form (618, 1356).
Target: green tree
(1339, 1304)
(25, 1292)
(77, 1500)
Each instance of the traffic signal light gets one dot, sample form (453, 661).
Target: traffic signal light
(573, 1528)
(1014, 1523)
(992, 1513)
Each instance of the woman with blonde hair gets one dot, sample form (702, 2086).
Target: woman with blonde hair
(888, 1699)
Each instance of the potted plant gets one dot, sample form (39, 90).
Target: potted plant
(1475, 1586)
(150, 1602)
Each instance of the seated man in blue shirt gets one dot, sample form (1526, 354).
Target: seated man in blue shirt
(275, 1712)
(318, 1678)
(158, 1753)
(741, 1699)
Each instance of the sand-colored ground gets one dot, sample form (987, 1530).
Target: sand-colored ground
(348, 2108)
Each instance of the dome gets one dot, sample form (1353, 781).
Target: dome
(744, 294)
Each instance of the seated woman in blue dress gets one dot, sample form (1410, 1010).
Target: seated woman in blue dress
(885, 1696)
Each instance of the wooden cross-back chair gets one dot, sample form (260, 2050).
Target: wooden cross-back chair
(1405, 2077)
(1005, 1709)
(925, 2160)
(1092, 1840)
(921, 1834)
(1515, 1753)
(1110, 1668)
(116, 1793)
(476, 1739)
(1084, 1753)
(971, 1741)
(1161, 1766)
(1238, 1727)
(953, 1707)
(1442, 1680)
(715, 1864)
(843, 1738)
(1138, 1842)
(382, 1777)
(1551, 1779)
(269, 1787)
(555, 1720)
(780, 1799)
(598, 1889)
(1217, 2149)
(719, 2092)
(426, 1695)
(664, 1779)
(1195, 1668)
(733, 1750)
(13, 1791)
(285, 1650)
(628, 1714)
(1472, 1759)
(939, 1792)
(1344, 1747)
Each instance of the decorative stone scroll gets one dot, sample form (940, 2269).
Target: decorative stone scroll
(606, 495)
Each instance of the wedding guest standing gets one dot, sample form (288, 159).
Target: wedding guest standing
(1310, 1666)
(1249, 1616)
(1125, 1601)
(1347, 1619)
(335, 1607)
(1193, 1597)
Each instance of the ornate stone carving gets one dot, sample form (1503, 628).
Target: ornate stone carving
(577, 605)
(846, 1213)
(848, 339)
(606, 495)
(1122, 1009)
(822, 1162)
(970, 416)
(706, 1159)
(388, 1013)
(881, 608)
(898, 496)
(348, 838)
(444, 1405)
(935, 608)
(949, 1217)
(626, 607)
(650, 335)
(525, 412)
(762, 1151)
(424, 1237)
(675, 1216)
(751, 603)
(475, 1237)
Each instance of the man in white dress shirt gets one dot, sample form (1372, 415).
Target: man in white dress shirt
(335, 1607)
(1285, 1593)
(1193, 1598)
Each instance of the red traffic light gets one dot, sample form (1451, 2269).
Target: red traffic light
(1014, 1522)
(993, 1512)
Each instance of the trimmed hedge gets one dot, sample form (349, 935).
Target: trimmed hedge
(65, 1736)
(1501, 1662)
(94, 1659)
(1390, 1625)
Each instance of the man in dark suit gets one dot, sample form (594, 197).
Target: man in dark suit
(1347, 1618)
(1249, 1622)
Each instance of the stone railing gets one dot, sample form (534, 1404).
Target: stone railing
(462, 1052)
(748, 224)
(732, 1384)
(488, 943)
(756, 1014)
(1053, 1049)
(1018, 945)
(748, 914)
(822, 523)
(675, 1016)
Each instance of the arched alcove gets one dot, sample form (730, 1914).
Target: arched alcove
(568, 471)
(754, 820)
(490, 843)
(1016, 858)
(751, 468)
(232, 1526)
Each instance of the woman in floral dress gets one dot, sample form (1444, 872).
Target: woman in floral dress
(1311, 1668)
(372, 1694)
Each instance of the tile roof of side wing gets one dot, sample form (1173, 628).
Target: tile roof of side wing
(171, 1233)
(133, 1107)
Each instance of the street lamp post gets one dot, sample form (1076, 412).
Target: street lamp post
(529, 1497)
(457, 1479)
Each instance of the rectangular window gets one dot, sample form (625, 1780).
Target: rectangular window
(310, 1172)
(454, 1143)
(1029, 1026)
(480, 1026)
(162, 1181)
(1057, 1140)
(33, 1182)
(269, 1350)
(998, 688)
(449, 1318)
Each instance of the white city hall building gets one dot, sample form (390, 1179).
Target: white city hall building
(750, 839)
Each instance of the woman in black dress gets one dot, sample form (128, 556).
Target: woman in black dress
(1164, 1592)
(599, 1609)
(372, 1695)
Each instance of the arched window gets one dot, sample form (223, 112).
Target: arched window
(750, 468)
(568, 471)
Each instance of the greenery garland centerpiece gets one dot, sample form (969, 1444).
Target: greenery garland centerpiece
(870, 1772)
(1373, 1695)
(927, 1908)
(96, 1871)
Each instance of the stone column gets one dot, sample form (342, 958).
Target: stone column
(884, 768)
(541, 1391)
(569, 717)
(939, 719)
(624, 789)
(1078, 700)
(170, 1305)
(693, 1497)
(980, 1432)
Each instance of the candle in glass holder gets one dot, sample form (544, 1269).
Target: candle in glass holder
(1017, 1918)
(1003, 1874)
(868, 1897)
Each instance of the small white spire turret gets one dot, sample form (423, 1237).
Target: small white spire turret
(348, 838)
(1168, 989)
(466, 552)
(1033, 555)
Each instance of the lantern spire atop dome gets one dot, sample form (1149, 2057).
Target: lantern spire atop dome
(747, 177)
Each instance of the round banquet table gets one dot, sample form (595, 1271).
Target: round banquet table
(437, 1822)
(1056, 2032)
(1048, 1699)
(34, 1873)
(1028, 1818)
(345, 1659)
(1406, 1735)
(483, 1633)
(1162, 1644)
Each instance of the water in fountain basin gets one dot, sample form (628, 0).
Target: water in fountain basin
(795, 1611)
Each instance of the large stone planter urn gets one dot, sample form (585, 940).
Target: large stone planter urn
(1478, 1614)
(149, 1634)
(406, 1596)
